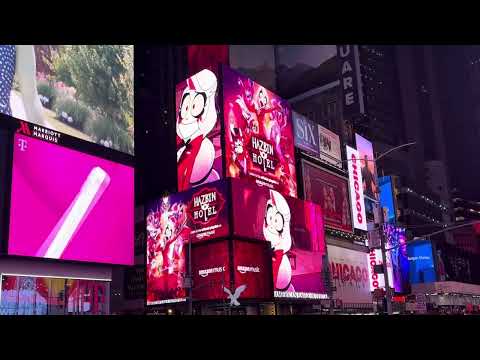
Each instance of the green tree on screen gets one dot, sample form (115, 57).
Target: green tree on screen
(102, 76)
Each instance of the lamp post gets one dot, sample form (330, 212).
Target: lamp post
(388, 295)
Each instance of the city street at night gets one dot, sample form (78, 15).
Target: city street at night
(239, 180)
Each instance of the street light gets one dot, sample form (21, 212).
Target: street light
(381, 223)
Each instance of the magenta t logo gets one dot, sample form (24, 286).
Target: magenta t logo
(22, 144)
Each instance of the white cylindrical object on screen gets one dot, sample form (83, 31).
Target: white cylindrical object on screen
(71, 221)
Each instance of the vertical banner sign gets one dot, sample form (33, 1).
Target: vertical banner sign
(350, 81)
(356, 189)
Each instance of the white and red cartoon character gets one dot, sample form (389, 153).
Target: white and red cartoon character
(245, 101)
(196, 118)
(239, 152)
(276, 229)
(264, 108)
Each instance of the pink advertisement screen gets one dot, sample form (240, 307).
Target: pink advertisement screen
(259, 142)
(199, 150)
(294, 230)
(70, 206)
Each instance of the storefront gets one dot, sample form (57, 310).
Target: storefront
(449, 297)
(30, 287)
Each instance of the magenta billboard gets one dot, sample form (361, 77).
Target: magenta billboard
(69, 205)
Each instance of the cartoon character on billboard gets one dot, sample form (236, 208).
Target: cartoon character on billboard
(196, 118)
(239, 152)
(166, 251)
(245, 103)
(276, 229)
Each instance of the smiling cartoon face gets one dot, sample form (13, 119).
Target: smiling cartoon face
(196, 112)
(192, 106)
(276, 225)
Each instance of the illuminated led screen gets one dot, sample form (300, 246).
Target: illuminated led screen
(69, 205)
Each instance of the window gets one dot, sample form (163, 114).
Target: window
(27, 295)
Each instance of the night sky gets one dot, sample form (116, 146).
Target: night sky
(461, 115)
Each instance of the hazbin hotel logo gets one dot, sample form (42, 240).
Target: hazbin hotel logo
(263, 154)
(206, 205)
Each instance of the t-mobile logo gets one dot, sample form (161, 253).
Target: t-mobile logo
(22, 144)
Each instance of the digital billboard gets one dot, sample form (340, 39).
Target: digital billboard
(259, 138)
(252, 266)
(349, 274)
(422, 266)
(331, 192)
(306, 134)
(211, 270)
(356, 189)
(369, 170)
(294, 230)
(82, 205)
(199, 150)
(197, 215)
(387, 199)
(377, 281)
(330, 147)
(316, 140)
(397, 248)
(85, 91)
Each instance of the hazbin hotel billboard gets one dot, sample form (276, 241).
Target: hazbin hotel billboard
(257, 132)
(196, 215)
(294, 230)
(259, 142)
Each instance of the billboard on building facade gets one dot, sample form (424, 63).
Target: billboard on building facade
(252, 266)
(387, 199)
(196, 215)
(330, 147)
(422, 266)
(85, 91)
(316, 140)
(295, 231)
(356, 189)
(397, 248)
(331, 192)
(369, 169)
(259, 142)
(377, 281)
(211, 270)
(199, 149)
(86, 205)
(306, 134)
(350, 81)
(349, 274)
